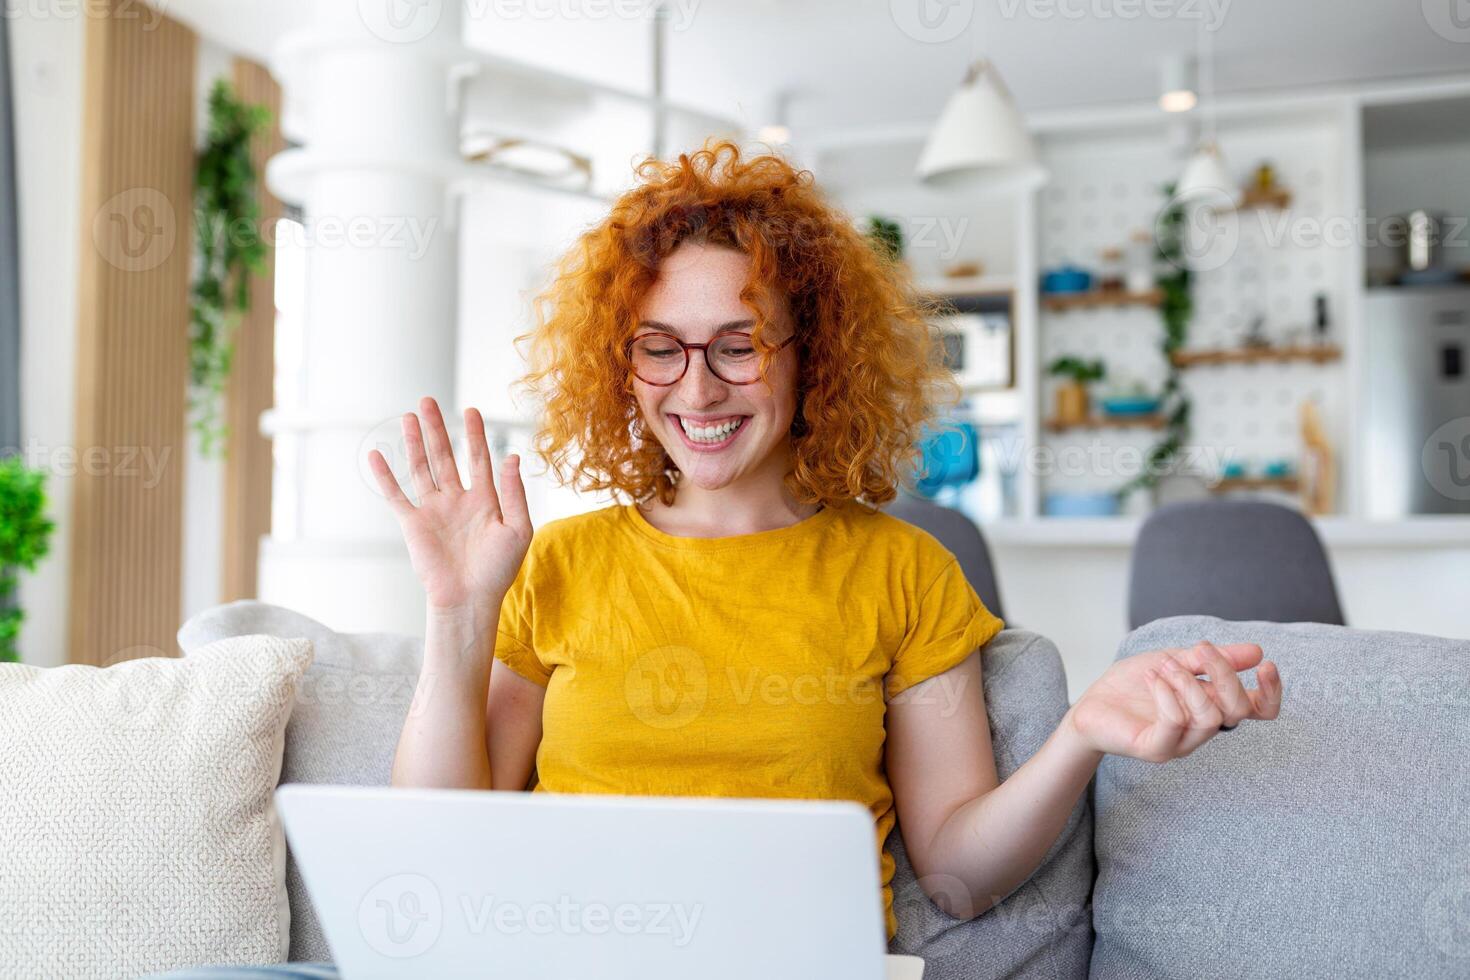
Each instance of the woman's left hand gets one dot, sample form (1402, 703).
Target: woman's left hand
(1152, 706)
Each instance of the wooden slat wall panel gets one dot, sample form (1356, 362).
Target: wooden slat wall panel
(132, 334)
(247, 506)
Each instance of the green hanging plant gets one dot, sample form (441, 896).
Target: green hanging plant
(1177, 309)
(25, 536)
(230, 250)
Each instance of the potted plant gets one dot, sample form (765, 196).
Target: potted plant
(24, 537)
(1072, 401)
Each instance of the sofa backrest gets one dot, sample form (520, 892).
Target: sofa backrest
(1331, 841)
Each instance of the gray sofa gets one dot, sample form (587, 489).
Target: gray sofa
(1331, 842)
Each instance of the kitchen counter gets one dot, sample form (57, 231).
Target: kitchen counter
(1068, 578)
(1337, 532)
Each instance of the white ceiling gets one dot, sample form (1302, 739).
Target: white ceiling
(852, 63)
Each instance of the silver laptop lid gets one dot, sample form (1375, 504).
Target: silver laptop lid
(456, 883)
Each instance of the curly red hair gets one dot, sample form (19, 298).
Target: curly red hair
(870, 376)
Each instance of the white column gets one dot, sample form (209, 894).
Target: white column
(371, 98)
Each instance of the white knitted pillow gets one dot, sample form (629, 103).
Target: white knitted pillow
(136, 811)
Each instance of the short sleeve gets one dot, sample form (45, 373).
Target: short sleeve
(514, 645)
(950, 623)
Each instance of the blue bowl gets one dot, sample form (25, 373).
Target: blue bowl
(1136, 405)
(1067, 279)
(1081, 504)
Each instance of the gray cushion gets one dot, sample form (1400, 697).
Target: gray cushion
(344, 726)
(1329, 842)
(1042, 929)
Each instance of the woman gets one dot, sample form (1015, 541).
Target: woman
(730, 355)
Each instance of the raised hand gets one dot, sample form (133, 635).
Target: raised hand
(466, 545)
(1153, 706)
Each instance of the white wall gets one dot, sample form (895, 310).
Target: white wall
(46, 55)
(509, 240)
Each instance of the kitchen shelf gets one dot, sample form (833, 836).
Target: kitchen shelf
(1287, 484)
(1255, 355)
(1107, 422)
(1060, 302)
(950, 287)
(1269, 198)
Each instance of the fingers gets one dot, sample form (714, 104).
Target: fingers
(513, 495)
(1263, 702)
(418, 463)
(441, 453)
(1229, 693)
(1266, 698)
(1164, 734)
(481, 472)
(1204, 713)
(388, 483)
(1240, 656)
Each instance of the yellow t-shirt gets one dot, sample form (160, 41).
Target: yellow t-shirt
(747, 666)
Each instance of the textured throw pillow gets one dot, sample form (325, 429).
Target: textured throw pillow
(349, 713)
(1043, 928)
(1330, 842)
(135, 801)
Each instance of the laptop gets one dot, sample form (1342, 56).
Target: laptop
(456, 884)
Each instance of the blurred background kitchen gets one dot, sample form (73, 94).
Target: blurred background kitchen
(1193, 250)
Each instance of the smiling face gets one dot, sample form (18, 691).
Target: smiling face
(718, 434)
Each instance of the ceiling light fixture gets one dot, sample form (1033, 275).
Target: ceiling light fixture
(1206, 175)
(980, 141)
(1177, 81)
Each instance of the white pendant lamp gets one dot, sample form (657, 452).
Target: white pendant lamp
(1205, 177)
(980, 141)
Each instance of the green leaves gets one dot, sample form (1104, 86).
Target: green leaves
(1077, 369)
(25, 537)
(1177, 309)
(230, 249)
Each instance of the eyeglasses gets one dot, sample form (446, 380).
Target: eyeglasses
(662, 359)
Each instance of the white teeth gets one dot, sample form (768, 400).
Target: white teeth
(710, 433)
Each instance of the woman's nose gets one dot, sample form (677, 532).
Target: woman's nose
(699, 386)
